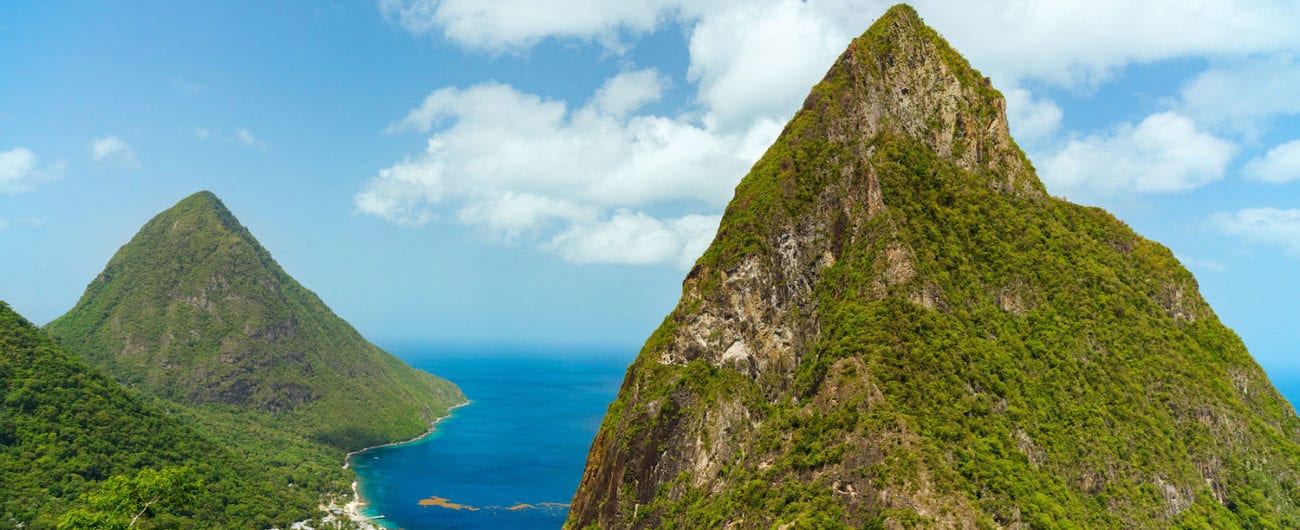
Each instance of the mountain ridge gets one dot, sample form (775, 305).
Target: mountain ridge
(896, 326)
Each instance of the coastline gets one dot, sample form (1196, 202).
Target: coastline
(352, 510)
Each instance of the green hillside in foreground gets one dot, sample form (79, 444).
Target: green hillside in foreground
(896, 327)
(194, 311)
(65, 428)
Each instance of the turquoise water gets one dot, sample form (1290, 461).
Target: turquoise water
(522, 440)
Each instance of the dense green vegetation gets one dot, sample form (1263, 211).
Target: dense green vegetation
(65, 429)
(196, 318)
(978, 354)
(193, 310)
(126, 502)
(1063, 415)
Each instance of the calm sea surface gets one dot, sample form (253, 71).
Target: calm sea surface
(520, 444)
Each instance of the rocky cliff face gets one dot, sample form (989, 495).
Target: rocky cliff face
(896, 326)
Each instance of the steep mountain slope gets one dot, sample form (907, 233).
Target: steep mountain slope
(65, 427)
(194, 311)
(897, 327)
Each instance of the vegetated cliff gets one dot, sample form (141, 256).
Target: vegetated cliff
(193, 310)
(897, 327)
(65, 428)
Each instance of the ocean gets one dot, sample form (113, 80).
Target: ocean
(520, 444)
(512, 458)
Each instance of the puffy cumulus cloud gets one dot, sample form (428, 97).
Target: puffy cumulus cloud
(750, 64)
(1068, 42)
(1281, 164)
(513, 214)
(1166, 152)
(1082, 42)
(1271, 226)
(21, 170)
(758, 60)
(519, 165)
(635, 238)
(629, 91)
(1032, 120)
(112, 151)
(503, 25)
(17, 169)
(1246, 93)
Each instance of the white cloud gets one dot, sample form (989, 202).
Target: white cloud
(1032, 120)
(629, 91)
(1271, 226)
(1246, 93)
(4, 225)
(1067, 42)
(202, 133)
(1077, 43)
(751, 63)
(112, 151)
(21, 171)
(1166, 152)
(635, 238)
(758, 60)
(517, 164)
(1281, 164)
(513, 214)
(503, 25)
(17, 169)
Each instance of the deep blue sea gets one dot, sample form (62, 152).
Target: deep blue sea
(521, 443)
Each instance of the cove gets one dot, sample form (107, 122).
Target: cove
(512, 458)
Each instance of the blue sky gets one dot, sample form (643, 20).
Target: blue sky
(518, 172)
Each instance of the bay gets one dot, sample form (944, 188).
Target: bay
(512, 458)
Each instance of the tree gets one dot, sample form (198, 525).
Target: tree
(122, 502)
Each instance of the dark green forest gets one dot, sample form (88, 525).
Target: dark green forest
(65, 429)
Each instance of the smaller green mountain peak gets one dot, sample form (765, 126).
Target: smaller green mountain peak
(193, 309)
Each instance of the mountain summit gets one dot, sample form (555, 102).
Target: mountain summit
(195, 311)
(896, 327)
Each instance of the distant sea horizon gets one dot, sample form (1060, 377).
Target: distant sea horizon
(513, 457)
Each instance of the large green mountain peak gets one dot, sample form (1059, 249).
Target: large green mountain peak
(896, 327)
